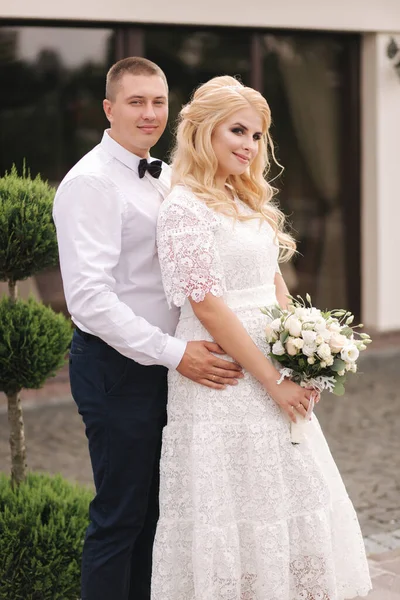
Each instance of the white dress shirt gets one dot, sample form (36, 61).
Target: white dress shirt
(106, 220)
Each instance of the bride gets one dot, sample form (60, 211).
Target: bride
(244, 514)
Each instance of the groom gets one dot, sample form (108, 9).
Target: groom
(105, 213)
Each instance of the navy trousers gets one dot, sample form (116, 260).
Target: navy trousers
(123, 407)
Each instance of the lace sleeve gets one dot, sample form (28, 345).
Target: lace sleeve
(187, 250)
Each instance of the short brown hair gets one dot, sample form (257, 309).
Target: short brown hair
(135, 65)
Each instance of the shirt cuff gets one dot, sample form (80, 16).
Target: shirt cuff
(173, 352)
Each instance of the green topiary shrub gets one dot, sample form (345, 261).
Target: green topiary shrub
(33, 343)
(28, 242)
(42, 528)
(33, 339)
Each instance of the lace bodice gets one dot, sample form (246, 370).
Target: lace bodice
(201, 250)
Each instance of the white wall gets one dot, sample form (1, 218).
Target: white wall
(380, 185)
(345, 15)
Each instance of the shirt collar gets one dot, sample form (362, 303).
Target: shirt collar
(129, 159)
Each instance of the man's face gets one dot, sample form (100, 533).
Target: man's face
(138, 113)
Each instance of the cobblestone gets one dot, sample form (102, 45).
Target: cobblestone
(362, 429)
(385, 575)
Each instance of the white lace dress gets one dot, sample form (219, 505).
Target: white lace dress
(244, 514)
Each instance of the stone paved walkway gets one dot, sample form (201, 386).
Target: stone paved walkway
(362, 428)
(385, 574)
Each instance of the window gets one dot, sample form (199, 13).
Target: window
(311, 86)
(191, 57)
(53, 81)
(51, 114)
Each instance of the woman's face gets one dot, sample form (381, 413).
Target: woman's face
(236, 142)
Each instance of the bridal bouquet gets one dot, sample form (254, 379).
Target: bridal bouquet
(315, 348)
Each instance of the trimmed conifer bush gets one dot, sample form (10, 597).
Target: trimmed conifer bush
(33, 343)
(28, 242)
(42, 528)
(33, 339)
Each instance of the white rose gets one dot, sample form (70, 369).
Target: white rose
(324, 352)
(325, 334)
(329, 361)
(312, 315)
(290, 347)
(320, 325)
(319, 340)
(278, 348)
(323, 364)
(301, 313)
(309, 337)
(337, 342)
(293, 325)
(299, 343)
(311, 360)
(309, 349)
(276, 325)
(350, 353)
(270, 334)
(335, 327)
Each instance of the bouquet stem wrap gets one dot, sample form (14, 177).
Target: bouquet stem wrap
(298, 430)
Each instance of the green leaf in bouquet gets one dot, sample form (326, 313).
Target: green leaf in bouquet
(302, 363)
(279, 357)
(347, 331)
(276, 312)
(284, 336)
(338, 390)
(338, 365)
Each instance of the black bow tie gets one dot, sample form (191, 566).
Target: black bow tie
(154, 168)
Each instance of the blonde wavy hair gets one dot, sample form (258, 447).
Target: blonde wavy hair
(194, 163)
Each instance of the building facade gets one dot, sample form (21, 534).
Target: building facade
(328, 71)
